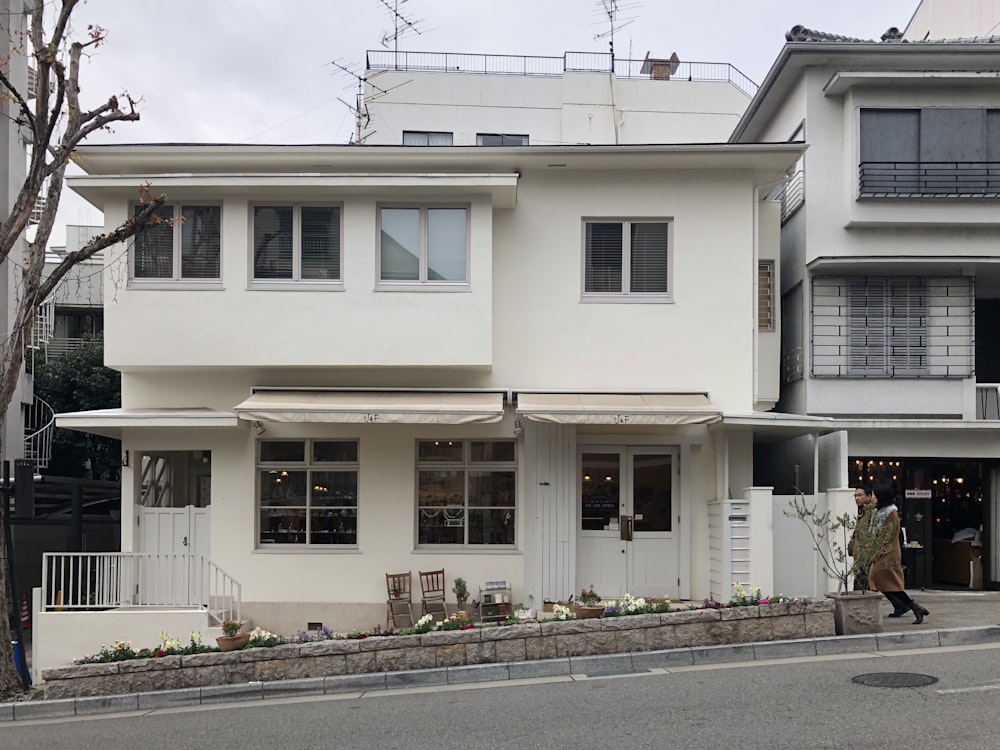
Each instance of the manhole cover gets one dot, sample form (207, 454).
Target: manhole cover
(894, 679)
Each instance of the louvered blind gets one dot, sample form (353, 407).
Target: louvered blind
(603, 259)
(320, 242)
(272, 242)
(648, 272)
(201, 240)
(154, 247)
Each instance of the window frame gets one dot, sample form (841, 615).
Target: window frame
(307, 465)
(516, 139)
(766, 307)
(427, 135)
(177, 251)
(423, 283)
(626, 296)
(466, 465)
(296, 281)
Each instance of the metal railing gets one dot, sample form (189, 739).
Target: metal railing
(529, 65)
(39, 426)
(987, 401)
(94, 581)
(792, 196)
(929, 179)
(61, 346)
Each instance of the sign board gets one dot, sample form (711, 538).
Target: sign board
(918, 494)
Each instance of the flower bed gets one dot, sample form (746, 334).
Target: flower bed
(364, 653)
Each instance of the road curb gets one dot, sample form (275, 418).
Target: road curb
(597, 665)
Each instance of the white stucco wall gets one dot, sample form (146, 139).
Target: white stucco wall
(952, 19)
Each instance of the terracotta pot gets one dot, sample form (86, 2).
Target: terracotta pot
(232, 642)
(586, 612)
(857, 612)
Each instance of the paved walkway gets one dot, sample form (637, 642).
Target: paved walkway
(949, 609)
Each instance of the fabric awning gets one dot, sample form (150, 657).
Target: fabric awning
(379, 407)
(111, 422)
(618, 408)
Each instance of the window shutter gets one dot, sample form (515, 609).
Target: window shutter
(866, 326)
(648, 257)
(603, 261)
(765, 295)
(907, 305)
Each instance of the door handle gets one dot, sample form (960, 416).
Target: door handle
(185, 542)
(625, 528)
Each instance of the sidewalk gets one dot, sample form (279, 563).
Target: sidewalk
(959, 608)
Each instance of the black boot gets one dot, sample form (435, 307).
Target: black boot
(920, 612)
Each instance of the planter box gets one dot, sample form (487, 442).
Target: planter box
(857, 612)
(487, 645)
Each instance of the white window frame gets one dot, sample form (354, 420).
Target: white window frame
(427, 135)
(465, 465)
(296, 281)
(307, 465)
(423, 282)
(177, 228)
(625, 295)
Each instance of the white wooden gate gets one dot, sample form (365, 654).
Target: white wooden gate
(177, 537)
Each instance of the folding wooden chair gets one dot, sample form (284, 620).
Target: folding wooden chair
(433, 596)
(399, 603)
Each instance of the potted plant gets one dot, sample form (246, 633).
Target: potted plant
(231, 638)
(588, 604)
(847, 546)
(461, 592)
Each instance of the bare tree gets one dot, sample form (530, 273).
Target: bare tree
(55, 123)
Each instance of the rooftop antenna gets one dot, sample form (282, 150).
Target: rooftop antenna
(359, 108)
(401, 25)
(609, 12)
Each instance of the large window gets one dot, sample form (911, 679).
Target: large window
(299, 243)
(501, 139)
(426, 138)
(887, 326)
(308, 492)
(424, 244)
(941, 151)
(466, 492)
(186, 244)
(626, 258)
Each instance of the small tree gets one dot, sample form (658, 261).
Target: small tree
(847, 545)
(53, 120)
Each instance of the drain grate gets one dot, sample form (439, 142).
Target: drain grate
(894, 679)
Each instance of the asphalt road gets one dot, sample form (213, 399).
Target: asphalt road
(808, 703)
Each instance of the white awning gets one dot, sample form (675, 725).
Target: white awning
(111, 422)
(618, 408)
(379, 407)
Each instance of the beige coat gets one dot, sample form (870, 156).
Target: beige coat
(886, 571)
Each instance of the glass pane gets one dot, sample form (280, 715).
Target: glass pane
(439, 139)
(491, 489)
(282, 526)
(279, 487)
(446, 244)
(649, 258)
(334, 489)
(441, 526)
(603, 260)
(435, 488)
(272, 242)
(415, 138)
(439, 450)
(651, 487)
(491, 526)
(320, 243)
(325, 451)
(599, 494)
(154, 247)
(399, 250)
(493, 451)
(333, 526)
(201, 242)
(282, 450)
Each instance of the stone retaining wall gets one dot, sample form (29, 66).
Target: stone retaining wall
(488, 645)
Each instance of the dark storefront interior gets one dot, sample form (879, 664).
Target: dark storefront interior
(944, 507)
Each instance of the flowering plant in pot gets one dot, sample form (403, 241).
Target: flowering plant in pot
(231, 638)
(588, 603)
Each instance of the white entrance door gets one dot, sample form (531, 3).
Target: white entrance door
(627, 535)
(178, 540)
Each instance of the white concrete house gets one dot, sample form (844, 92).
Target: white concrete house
(890, 287)
(550, 365)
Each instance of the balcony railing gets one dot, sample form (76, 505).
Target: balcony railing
(528, 65)
(930, 179)
(792, 196)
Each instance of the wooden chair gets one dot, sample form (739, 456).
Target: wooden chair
(433, 596)
(399, 603)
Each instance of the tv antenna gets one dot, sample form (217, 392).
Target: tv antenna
(401, 25)
(610, 12)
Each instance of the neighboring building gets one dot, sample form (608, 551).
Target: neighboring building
(954, 19)
(543, 364)
(890, 290)
(75, 311)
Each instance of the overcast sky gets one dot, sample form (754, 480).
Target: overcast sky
(258, 71)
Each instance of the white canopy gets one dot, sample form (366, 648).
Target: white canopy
(618, 408)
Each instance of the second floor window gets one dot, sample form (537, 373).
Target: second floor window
(426, 138)
(886, 326)
(501, 139)
(299, 243)
(626, 258)
(423, 244)
(179, 250)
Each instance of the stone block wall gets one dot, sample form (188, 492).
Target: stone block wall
(486, 645)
